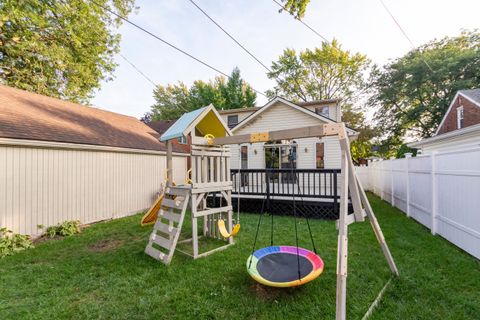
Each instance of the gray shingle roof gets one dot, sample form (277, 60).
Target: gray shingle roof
(473, 94)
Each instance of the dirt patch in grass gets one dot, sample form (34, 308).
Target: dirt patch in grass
(269, 293)
(43, 239)
(105, 245)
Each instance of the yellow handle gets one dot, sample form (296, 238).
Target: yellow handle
(210, 138)
(189, 177)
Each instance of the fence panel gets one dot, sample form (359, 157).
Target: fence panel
(458, 200)
(441, 191)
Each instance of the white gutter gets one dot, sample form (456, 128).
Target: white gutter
(446, 136)
(77, 146)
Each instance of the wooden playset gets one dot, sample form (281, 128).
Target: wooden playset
(280, 266)
(210, 173)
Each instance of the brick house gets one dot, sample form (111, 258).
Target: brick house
(460, 127)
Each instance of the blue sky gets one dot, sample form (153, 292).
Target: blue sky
(360, 26)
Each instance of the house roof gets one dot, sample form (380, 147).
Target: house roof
(302, 104)
(472, 94)
(206, 120)
(30, 116)
(239, 110)
(160, 125)
(455, 134)
(315, 102)
(291, 104)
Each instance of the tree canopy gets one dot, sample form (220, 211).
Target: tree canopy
(413, 92)
(296, 8)
(59, 48)
(172, 101)
(322, 73)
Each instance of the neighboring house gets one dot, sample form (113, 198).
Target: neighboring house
(278, 114)
(160, 126)
(460, 127)
(64, 161)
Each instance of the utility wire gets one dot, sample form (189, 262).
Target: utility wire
(403, 31)
(230, 36)
(302, 22)
(245, 49)
(138, 70)
(167, 43)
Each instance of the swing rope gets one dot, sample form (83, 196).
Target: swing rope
(295, 216)
(297, 178)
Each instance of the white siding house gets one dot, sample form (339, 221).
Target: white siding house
(281, 114)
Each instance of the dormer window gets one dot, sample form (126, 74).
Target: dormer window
(323, 111)
(232, 121)
(460, 119)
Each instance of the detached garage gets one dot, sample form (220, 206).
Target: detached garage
(64, 161)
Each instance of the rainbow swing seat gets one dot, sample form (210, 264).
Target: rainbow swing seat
(284, 266)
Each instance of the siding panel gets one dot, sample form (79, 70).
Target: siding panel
(49, 186)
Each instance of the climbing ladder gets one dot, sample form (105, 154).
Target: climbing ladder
(167, 228)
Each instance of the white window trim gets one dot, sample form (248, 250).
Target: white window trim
(460, 111)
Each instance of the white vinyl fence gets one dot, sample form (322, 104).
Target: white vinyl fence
(47, 185)
(441, 191)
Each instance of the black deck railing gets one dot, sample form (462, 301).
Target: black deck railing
(312, 186)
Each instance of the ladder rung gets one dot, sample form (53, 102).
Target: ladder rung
(177, 191)
(155, 253)
(161, 241)
(175, 217)
(165, 228)
(175, 204)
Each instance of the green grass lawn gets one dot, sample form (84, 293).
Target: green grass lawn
(103, 273)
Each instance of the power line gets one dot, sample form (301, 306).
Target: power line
(167, 43)
(304, 23)
(138, 70)
(403, 31)
(230, 36)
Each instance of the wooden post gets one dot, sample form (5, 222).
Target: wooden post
(342, 249)
(169, 163)
(194, 227)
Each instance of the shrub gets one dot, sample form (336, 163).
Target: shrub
(64, 229)
(11, 243)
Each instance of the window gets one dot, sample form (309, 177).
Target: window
(460, 120)
(323, 111)
(320, 156)
(281, 155)
(244, 157)
(232, 121)
(244, 164)
(182, 140)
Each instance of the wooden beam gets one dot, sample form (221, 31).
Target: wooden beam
(330, 129)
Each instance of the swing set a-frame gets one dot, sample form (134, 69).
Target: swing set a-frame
(210, 140)
(349, 183)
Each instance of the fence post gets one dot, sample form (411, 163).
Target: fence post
(407, 172)
(382, 174)
(392, 189)
(434, 195)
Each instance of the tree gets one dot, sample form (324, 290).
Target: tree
(61, 49)
(296, 8)
(174, 100)
(413, 92)
(322, 73)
